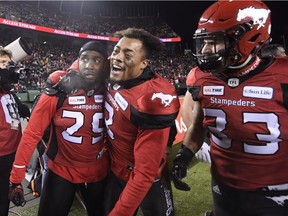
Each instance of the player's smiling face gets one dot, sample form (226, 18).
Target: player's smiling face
(128, 60)
(91, 66)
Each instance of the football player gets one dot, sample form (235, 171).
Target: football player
(242, 101)
(76, 151)
(140, 108)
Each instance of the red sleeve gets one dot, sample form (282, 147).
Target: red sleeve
(38, 122)
(149, 150)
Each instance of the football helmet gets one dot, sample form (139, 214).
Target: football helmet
(242, 26)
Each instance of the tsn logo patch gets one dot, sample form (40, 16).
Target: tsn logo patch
(76, 100)
(213, 90)
(166, 99)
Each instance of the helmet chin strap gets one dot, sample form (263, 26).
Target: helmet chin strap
(242, 65)
(245, 69)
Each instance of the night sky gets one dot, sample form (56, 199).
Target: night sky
(183, 16)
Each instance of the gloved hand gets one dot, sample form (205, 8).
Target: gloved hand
(70, 83)
(16, 194)
(203, 154)
(179, 169)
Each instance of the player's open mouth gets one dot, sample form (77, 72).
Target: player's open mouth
(117, 69)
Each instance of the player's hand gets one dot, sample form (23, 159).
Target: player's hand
(70, 83)
(203, 154)
(16, 194)
(179, 169)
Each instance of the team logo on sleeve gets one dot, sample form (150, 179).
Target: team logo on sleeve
(166, 99)
(76, 100)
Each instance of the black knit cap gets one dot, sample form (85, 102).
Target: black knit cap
(95, 46)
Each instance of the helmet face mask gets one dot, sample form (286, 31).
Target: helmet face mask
(211, 51)
(243, 26)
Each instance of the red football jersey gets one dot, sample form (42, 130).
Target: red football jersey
(78, 154)
(10, 129)
(247, 118)
(138, 120)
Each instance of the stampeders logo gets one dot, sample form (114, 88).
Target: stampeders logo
(166, 99)
(258, 15)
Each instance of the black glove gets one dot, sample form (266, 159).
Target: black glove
(70, 83)
(179, 169)
(16, 194)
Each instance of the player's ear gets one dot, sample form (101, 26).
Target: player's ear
(144, 63)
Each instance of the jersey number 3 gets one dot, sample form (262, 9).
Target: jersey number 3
(271, 139)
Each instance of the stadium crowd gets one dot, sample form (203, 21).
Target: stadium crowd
(96, 24)
(49, 56)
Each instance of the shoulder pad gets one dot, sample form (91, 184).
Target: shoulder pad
(163, 103)
(158, 110)
(191, 77)
(160, 99)
(157, 107)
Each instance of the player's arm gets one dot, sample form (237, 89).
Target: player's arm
(39, 121)
(195, 134)
(186, 112)
(187, 108)
(149, 150)
(193, 140)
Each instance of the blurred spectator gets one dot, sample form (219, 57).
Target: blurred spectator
(272, 50)
(103, 24)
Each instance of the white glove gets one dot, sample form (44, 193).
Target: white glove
(203, 154)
